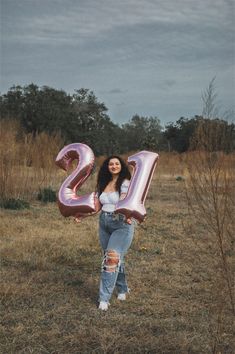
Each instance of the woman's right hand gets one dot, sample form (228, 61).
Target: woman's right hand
(78, 220)
(128, 221)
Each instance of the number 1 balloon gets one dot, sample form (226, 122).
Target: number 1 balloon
(70, 204)
(144, 163)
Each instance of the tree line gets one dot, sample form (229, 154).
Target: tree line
(81, 117)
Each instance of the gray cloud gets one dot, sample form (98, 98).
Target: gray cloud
(161, 55)
(79, 20)
(168, 83)
(116, 91)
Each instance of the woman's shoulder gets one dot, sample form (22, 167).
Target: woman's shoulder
(125, 186)
(126, 182)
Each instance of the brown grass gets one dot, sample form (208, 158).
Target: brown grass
(26, 161)
(50, 270)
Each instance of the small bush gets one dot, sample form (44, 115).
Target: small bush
(179, 178)
(14, 204)
(47, 195)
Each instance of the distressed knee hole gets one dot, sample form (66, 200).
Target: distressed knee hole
(111, 261)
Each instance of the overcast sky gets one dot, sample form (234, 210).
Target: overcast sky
(150, 57)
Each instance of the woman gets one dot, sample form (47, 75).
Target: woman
(115, 232)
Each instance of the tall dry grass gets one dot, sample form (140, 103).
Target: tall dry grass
(26, 161)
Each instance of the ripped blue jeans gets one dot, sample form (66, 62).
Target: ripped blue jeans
(115, 239)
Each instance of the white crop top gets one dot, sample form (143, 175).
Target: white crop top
(110, 199)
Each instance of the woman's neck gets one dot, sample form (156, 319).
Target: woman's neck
(111, 186)
(114, 178)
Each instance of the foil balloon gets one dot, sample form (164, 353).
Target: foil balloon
(70, 204)
(144, 163)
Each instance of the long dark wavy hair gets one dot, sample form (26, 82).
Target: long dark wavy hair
(104, 176)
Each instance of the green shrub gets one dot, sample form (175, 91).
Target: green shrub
(47, 195)
(179, 178)
(14, 204)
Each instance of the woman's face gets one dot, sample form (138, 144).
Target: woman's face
(114, 166)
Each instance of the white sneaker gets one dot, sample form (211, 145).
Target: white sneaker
(103, 306)
(121, 297)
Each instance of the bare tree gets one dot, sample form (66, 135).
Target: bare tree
(210, 189)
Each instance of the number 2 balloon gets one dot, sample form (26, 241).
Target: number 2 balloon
(70, 204)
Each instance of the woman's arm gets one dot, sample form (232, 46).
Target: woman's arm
(128, 220)
(124, 189)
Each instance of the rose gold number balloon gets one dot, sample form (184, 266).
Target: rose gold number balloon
(70, 204)
(144, 163)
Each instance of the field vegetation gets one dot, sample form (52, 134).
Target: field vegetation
(180, 266)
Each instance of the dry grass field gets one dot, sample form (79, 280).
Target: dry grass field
(50, 269)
